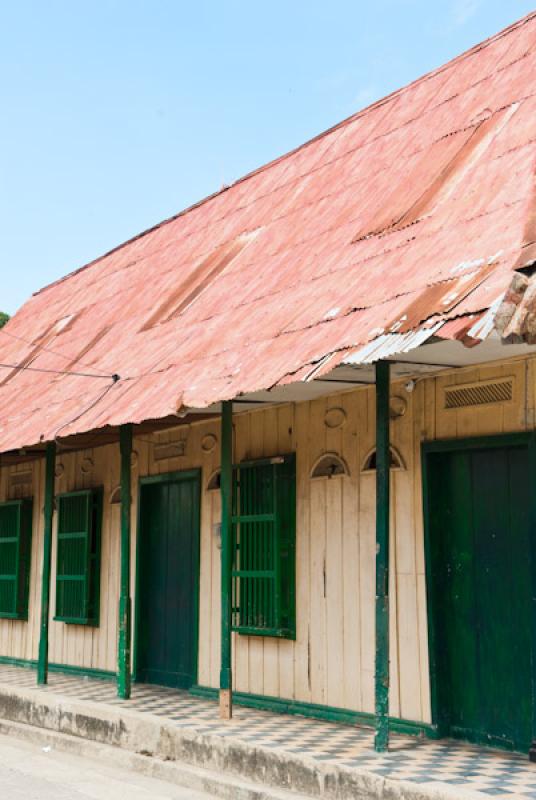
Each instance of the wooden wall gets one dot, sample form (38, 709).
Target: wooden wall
(332, 660)
(19, 639)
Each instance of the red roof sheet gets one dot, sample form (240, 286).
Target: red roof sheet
(413, 211)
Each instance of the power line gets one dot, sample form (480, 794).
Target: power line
(22, 367)
(85, 410)
(44, 348)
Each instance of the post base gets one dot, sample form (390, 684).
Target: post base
(226, 704)
(532, 751)
(42, 678)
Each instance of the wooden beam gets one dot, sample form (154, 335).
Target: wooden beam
(381, 741)
(48, 513)
(125, 602)
(226, 678)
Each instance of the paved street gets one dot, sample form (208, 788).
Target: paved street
(29, 772)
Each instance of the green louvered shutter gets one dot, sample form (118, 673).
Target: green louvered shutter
(264, 533)
(15, 556)
(78, 557)
(286, 505)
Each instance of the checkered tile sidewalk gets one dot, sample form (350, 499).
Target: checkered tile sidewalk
(431, 763)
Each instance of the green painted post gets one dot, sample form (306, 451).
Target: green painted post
(226, 485)
(381, 740)
(125, 602)
(50, 468)
(532, 517)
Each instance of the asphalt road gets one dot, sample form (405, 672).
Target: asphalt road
(31, 772)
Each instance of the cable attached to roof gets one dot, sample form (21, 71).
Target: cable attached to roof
(84, 411)
(23, 368)
(45, 348)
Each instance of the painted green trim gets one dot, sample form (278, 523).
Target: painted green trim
(320, 712)
(410, 727)
(430, 604)
(77, 493)
(477, 442)
(83, 672)
(521, 439)
(65, 669)
(125, 601)
(262, 462)
(268, 633)
(50, 466)
(532, 512)
(136, 608)
(383, 457)
(226, 680)
(197, 575)
(167, 477)
(27, 663)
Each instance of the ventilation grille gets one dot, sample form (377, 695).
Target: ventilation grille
(479, 394)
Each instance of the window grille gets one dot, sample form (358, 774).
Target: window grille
(264, 547)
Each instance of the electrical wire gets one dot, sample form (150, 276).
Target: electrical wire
(85, 410)
(45, 349)
(23, 367)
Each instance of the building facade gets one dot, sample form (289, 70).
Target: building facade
(281, 445)
(325, 667)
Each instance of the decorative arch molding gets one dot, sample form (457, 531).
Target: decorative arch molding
(329, 465)
(115, 496)
(397, 463)
(214, 482)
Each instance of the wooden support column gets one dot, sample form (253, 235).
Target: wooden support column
(48, 513)
(125, 602)
(226, 678)
(381, 740)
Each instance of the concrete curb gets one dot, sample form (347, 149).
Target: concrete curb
(221, 760)
(194, 778)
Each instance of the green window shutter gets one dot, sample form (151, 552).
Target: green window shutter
(286, 503)
(78, 557)
(15, 558)
(264, 533)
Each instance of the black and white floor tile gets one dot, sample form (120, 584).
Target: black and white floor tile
(493, 774)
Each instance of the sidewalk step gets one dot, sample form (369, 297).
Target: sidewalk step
(195, 778)
(226, 765)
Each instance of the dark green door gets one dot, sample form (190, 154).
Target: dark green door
(482, 593)
(168, 571)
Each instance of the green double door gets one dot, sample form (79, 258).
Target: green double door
(482, 593)
(168, 577)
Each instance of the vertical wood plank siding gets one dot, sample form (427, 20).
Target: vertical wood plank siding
(332, 660)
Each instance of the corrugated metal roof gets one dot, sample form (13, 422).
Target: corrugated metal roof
(398, 222)
(390, 344)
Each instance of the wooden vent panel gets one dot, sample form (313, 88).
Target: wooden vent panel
(479, 394)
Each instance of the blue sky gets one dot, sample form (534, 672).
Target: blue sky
(117, 113)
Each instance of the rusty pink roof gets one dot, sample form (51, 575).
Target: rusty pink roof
(411, 215)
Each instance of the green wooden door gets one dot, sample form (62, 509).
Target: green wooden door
(482, 594)
(168, 578)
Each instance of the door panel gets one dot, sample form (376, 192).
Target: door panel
(168, 564)
(481, 590)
